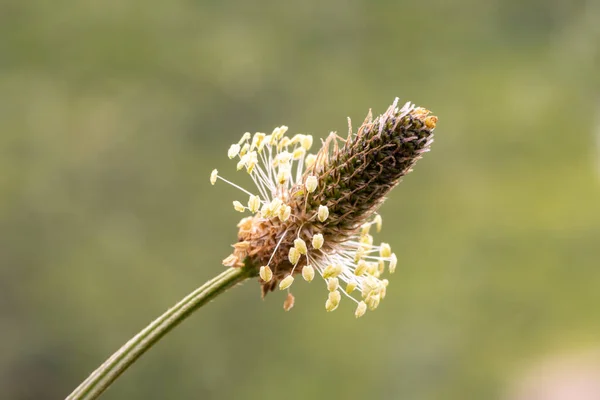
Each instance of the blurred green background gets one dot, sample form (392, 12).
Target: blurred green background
(113, 113)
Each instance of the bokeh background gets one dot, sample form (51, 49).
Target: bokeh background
(113, 113)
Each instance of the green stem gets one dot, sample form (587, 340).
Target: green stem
(112, 368)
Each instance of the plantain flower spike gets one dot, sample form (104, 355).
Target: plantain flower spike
(328, 199)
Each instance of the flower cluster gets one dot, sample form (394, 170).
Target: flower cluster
(314, 213)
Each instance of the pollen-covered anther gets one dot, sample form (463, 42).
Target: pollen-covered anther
(317, 241)
(365, 229)
(244, 150)
(300, 245)
(298, 153)
(431, 121)
(323, 213)
(285, 212)
(213, 176)
(393, 262)
(383, 289)
(361, 309)
(279, 132)
(333, 301)
(242, 162)
(246, 136)
(311, 183)
(332, 271)
(307, 142)
(265, 273)
(252, 161)
(310, 160)
(373, 301)
(283, 175)
(257, 141)
(359, 255)
(238, 206)
(297, 138)
(385, 250)
(333, 284)
(282, 158)
(350, 287)
(286, 282)
(361, 268)
(308, 273)
(233, 151)
(372, 268)
(378, 221)
(293, 256)
(254, 203)
(366, 241)
(284, 142)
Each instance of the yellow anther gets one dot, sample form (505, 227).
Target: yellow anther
(311, 183)
(286, 282)
(294, 256)
(360, 253)
(366, 241)
(265, 273)
(238, 206)
(333, 284)
(372, 268)
(333, 301)
(240, 164)
(254, 203)
(361, 268)
(385, 250)
(276, 205)
(284, 142)
(350, 287)
(246, 136)
(378, 222)
(332, 271)
(267, 140)
(317, 241)
(393, 262)
(365, 229)
(266, 211)
(307, 142)
(213, 176)
(257, 140)
(284, 213)
(373, 301)
(300, 245)
(298, 153)
(323, 213)
(252, 160)
(383, 289)
(297, 138)
(308, 273)
(282, 158)
(431, 121)
(276, 134)
(361, 309)
(310, 160)
(233, 151)
(283, 176)
(245, 148)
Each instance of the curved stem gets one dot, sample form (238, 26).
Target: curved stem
(112, 368)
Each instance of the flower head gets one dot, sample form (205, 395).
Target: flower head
(314, 212)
